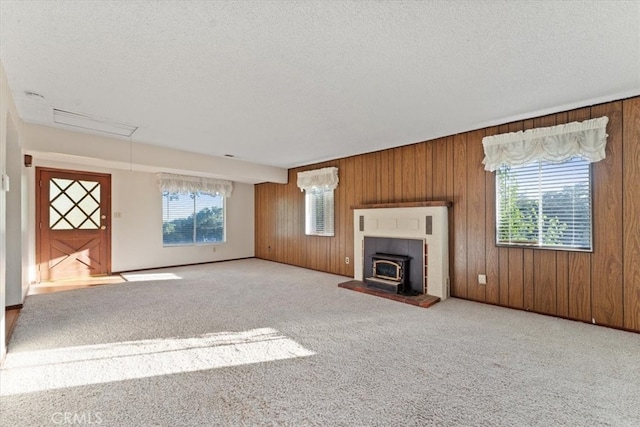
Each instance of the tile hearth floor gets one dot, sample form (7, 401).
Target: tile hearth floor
(424, 301)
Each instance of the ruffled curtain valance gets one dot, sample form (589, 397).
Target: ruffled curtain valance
(185, 184)
(325, 178)
(586, 139)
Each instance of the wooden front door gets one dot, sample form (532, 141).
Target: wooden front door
(73, 224)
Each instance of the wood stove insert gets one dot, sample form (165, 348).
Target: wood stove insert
(390, 273)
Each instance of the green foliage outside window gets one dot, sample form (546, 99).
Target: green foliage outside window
(545, 205)
(192, 218)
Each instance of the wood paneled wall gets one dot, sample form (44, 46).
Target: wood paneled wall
(601, 287)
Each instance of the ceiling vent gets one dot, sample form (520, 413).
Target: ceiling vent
(92, 123)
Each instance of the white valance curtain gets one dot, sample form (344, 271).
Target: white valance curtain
(586, 139)
(185, 184)
(325, 178)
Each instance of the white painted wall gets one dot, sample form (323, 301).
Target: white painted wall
(10, 130)
(16, 223)
(29, 200)
(4, 101)
(136, 237)
(137, 233)
(119, 153)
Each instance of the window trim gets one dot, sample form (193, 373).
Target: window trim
(312, 182)
(195, 242)
(537, 246)
(307, 195)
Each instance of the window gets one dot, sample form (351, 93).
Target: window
(193, 209)
(319, 212)
(318, 186)
(192, 218)
(545, 204)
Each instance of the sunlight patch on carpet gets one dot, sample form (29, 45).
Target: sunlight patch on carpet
(145, 277)
(94, 364)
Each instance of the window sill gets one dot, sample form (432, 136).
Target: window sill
(181, 245)
(545, 248)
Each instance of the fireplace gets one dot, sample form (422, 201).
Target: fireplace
(417, 230)
(390, 273)
(394, 265)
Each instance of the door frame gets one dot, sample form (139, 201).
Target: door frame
(38, 207)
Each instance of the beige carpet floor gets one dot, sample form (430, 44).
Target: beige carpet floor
(252, 342)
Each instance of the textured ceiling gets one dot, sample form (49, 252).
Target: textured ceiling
(290, 83)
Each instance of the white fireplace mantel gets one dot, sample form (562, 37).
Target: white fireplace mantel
(408, 221)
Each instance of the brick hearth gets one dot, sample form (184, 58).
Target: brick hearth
(424, 300)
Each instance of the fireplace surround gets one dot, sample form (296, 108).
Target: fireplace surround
(424, 225)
